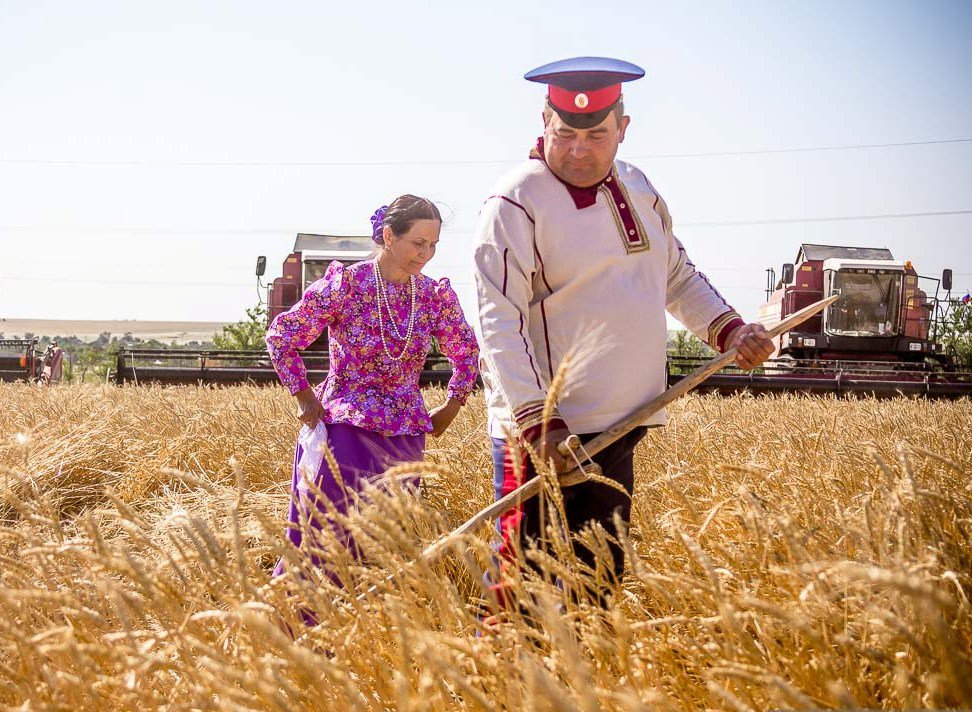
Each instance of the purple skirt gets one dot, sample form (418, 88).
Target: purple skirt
(362, 456)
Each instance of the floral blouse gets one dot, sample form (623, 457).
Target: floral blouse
(364, 387)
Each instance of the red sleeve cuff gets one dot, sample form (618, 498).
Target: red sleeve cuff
(529, 419)
(722, 327)
(530, 434)
(726, 331)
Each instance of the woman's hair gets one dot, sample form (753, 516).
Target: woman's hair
(402, 214)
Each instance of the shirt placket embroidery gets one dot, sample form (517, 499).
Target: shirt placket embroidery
(626, 219)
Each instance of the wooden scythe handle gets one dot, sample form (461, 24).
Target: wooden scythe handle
(531, 487)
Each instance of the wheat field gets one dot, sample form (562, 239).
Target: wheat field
(785, 552)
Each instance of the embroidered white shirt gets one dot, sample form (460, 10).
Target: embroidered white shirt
(595, 283)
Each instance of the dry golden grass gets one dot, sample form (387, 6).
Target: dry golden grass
(785, 552)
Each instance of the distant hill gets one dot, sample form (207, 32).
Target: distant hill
(181, 332)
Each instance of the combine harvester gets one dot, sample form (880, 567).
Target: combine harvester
(880, 338)
(19, 360)
(306, 264)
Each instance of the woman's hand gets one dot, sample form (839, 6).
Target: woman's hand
(309, 410)
(443, 416)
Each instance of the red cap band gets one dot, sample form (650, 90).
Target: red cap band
(583, 102)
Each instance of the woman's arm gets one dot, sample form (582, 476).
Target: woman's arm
(296, 329)
(457, 342)
(443, 415)
(309, 410)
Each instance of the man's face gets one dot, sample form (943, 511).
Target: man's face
(582, 157)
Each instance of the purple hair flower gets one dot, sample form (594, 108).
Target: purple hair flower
(377, 225)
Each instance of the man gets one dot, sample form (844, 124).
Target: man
(53, 364)
(573, 245)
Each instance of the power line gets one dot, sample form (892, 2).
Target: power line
(127, 282)
(836, 218)
(808, 149)
(149, 230)
(267, 231)
(449, 162)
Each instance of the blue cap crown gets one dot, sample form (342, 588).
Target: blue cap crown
(585, 73)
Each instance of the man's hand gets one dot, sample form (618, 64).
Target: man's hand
(309, 409)
(443, 415)
(547, 447)
(752, 345)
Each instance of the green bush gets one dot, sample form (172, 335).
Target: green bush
(957, 333)
(245, 335)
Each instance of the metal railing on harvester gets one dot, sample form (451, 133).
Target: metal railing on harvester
(877, 378)
(874, 378)
(185, 366)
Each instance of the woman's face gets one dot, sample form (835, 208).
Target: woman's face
(413, 249)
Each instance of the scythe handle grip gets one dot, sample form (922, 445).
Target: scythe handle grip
(569, 445)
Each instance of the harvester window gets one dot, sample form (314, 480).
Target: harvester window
(869, 304)
(314, 270)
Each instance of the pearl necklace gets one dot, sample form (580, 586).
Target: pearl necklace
(383, 305)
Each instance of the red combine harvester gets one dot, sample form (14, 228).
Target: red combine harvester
(19, 360)
(885, 312)
(879, 338)
(305, 264)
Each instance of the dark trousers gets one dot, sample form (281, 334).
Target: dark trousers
(584, 503)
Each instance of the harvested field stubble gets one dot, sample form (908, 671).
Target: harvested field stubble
(784, 552)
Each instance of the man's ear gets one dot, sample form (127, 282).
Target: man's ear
(625, 120)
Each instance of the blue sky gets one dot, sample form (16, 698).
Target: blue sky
(150, 151)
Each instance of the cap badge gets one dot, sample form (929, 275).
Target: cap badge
(581, 101)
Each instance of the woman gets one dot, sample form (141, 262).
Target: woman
(381, 316)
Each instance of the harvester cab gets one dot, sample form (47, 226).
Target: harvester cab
(887, 311)
(870, 292)
(307, 263)
(19, 360)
